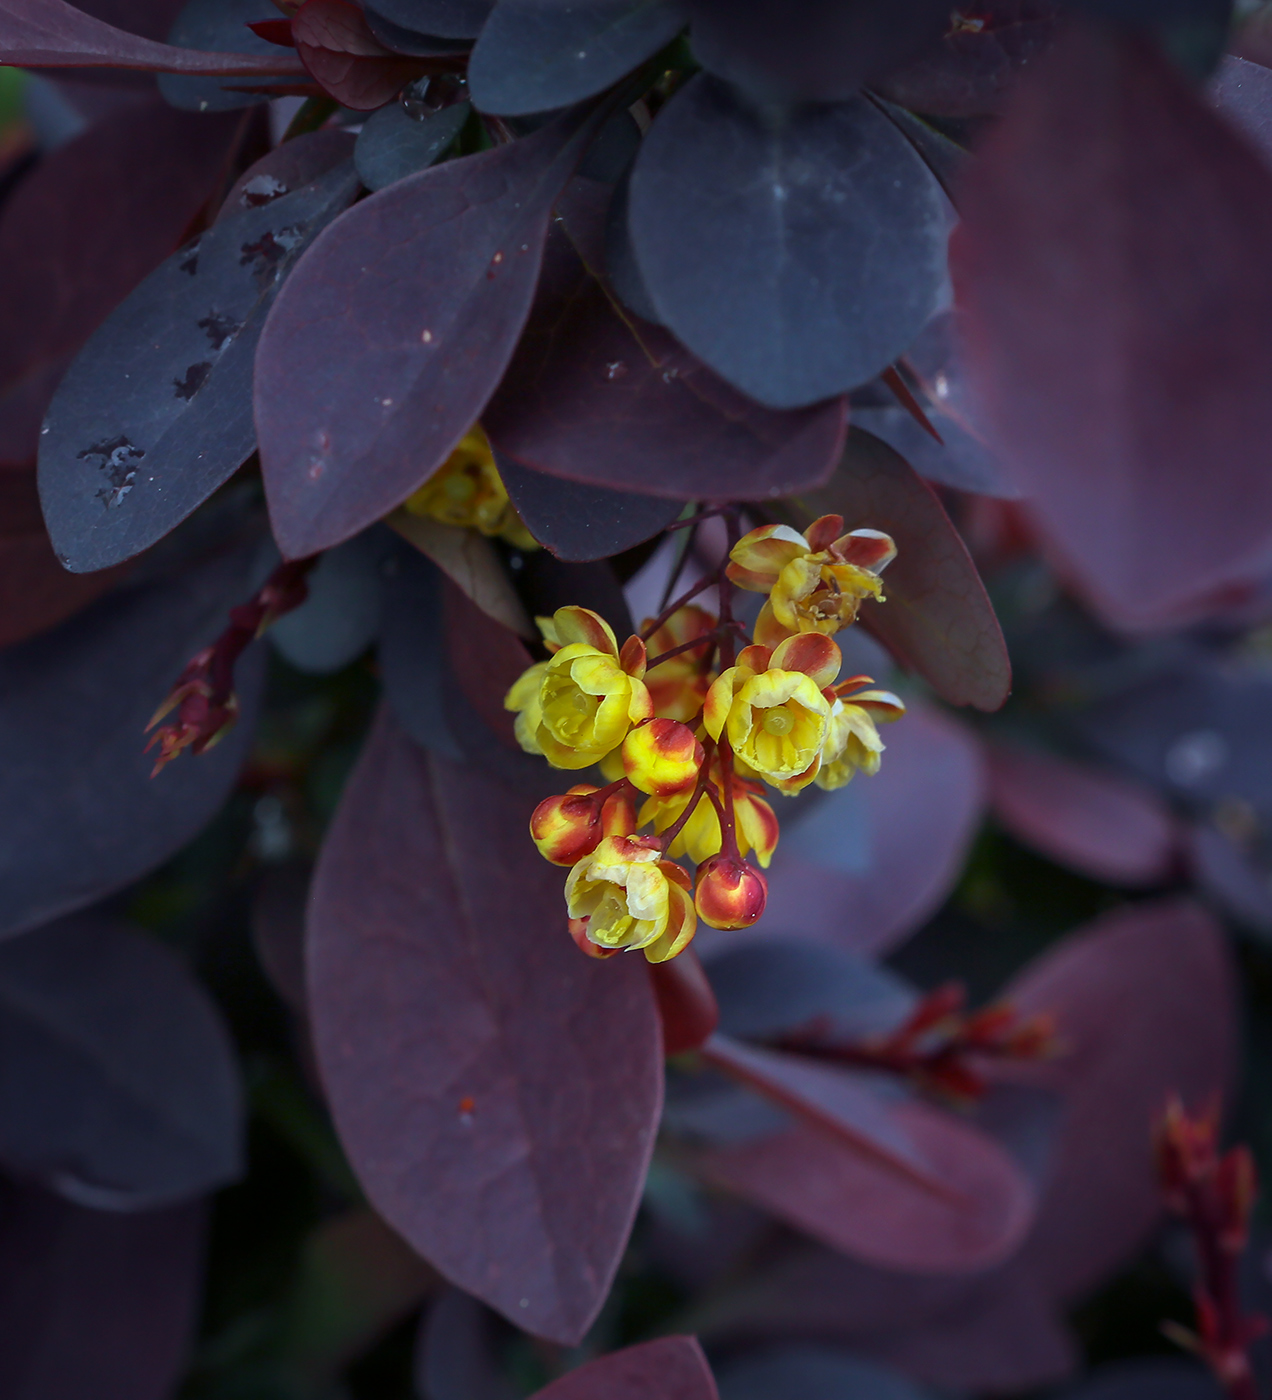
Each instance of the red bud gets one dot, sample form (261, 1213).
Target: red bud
(730, 893)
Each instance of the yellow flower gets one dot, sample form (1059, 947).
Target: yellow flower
(578, 706)
(755, 823)
(816, 581)
(852, 739)
(626, 895)
(773, 708)
(467, 491)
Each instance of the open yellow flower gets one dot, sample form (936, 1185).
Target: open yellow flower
(579, 705)
(625, 895)
(467, 491)
(816, 581)
(772, 706)
(852, 738)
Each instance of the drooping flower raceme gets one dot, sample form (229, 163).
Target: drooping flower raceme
(676, 721)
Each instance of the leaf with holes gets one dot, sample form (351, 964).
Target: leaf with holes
(156, 412)
(429, 283)
(799, 252)
(535, 57)
(497, 1092)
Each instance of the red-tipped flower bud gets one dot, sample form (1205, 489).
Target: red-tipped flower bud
(662, 757)
(568, 827)
(730, 893)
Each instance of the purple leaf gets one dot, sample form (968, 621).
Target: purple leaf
(220, 26)
(118, 1083)
(429, 282)
(796, 1373)
(1143, 1002)
(1096, 822)
(144, 172)
(454, 1357)
(671, 1368)
(345, 58)
(798, 256)
(1148, 1380)
(533, 57)
(1116, 352)
(286, 169)
(95, 1302)
(937, 620)
(497, 1092)
(446, 19)
(865, 866)
(392, 144)
(155, 412)
(82, 816)
(53, 34)
(594, 396)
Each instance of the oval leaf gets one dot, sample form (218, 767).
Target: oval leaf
(156, 412)
(937, 620)
(219, 26)
(344, 57)
(446, 19)
(796, 1373)
(534, 56)
(431, 280)
(118, 1083)
(393, 145)
(82, 816)
(671, 1368)
(497, 1092)
(798, 252)
(1102, 393)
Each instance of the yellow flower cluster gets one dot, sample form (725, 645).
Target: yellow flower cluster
(468, 491)
(674, 718)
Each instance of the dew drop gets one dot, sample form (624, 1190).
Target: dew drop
(426, 337)
(616, 370)
(498, 258)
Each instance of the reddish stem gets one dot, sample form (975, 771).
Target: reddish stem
(672, 608)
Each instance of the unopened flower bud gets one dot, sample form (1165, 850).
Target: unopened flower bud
(662, 757)
(568, 827)
(730, 893)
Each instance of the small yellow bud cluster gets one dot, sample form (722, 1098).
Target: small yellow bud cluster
(467, 491)
(674, 718)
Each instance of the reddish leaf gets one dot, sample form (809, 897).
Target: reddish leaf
(80, 232)
(866, 1207)
(343, 56)
(95, 1302)
(429, 283)
(1112, 263)
(485, 659)
(36, 592)
(686, 1004)
(53, 34)
(1097, 822)
(496, 1092)
(1143, 1002)
(937, 620)
(597, 396)
(865, 866)
(672, 1368)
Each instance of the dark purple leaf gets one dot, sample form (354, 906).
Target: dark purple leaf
(53, 34)
(455, 1356)
(403, 40)
(429, 283)
(1242, 91)
(798, 255)
(155, 413)
(278, 929)
(967, 71)
(943, 157)
(671, 1368)
(536, 55)
(687, 1006)
(771, 985)
(118, 1083)
(497, 1092)
(1148, 1380)
(344, 57)
(1089, 819)
(82, 816)
(594, 397)
(1115, 353)
(340, 617)
(36, 592)
(824, 50)
(580, 522)
(937, 620)
(446, 19)
(95, 1302)
(1232, 874)
(1143, 1002)
(866, 865)
(143, 172)
(217, 26)
(797, 1373)
(286, 169)
(393, 145)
